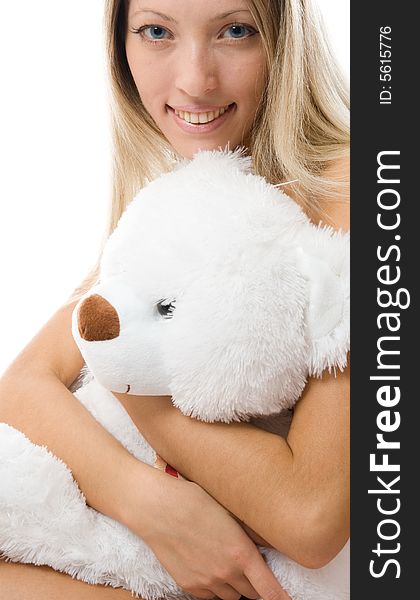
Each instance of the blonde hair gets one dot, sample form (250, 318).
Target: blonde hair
(285, 144)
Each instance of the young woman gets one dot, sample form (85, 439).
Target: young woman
(191, 75)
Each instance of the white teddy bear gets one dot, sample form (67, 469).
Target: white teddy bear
(216, 289)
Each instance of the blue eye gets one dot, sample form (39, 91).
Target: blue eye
(154, 32)
(239, 31)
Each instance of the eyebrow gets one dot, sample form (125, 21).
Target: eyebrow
(172, 20)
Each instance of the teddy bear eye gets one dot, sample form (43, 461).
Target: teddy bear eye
(166, 308)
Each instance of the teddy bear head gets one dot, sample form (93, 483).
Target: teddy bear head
(216, 289)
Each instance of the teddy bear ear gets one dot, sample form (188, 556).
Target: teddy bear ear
(323, 258)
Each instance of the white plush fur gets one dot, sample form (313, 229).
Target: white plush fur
(261, 302)
(262, 295)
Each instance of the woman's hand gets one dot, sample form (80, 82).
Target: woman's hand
(203, 548)
(301, 507)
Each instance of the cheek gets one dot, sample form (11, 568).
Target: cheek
(149, 76)
(255, 78)
(247, 81)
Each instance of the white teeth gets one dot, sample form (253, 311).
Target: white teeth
(201, 118)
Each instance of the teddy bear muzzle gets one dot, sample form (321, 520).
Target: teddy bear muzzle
(97, 319)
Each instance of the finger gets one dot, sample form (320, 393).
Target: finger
(226, 592)
(200, 593)
(243, 586)
(262, 579)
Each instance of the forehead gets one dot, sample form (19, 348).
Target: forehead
(180, 8)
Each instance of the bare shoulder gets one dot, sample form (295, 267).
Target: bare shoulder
(337, 211)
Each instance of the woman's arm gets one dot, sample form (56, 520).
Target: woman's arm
(34, 399)
(293, 493)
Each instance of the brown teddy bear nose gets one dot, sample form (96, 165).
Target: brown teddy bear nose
(98, 320)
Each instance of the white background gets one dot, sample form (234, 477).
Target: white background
(54, 153)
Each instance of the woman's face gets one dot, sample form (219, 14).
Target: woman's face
(199, 68)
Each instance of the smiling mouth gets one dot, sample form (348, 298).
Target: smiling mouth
(201, 118)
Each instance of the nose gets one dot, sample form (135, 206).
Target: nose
(196, 71)
(97, 319)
